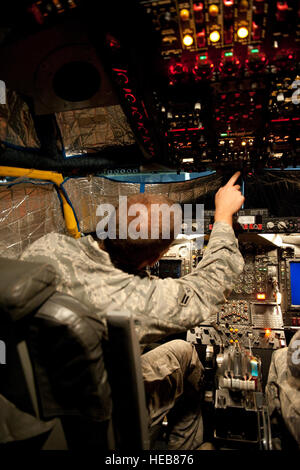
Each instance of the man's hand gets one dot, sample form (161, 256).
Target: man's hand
(228, 200)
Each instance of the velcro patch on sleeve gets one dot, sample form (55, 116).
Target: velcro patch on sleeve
(185, 295)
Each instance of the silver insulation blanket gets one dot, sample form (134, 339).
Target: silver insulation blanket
(27, 212)
(86, 130)
(86, 194)
(16, 123)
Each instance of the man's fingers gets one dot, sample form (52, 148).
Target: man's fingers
(233, 179)
(237, 186)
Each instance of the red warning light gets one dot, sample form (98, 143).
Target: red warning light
(177, 68)
(198, 6)
(268, 331)
(282, 6)
(112, 42)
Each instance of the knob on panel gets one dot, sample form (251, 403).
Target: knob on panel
(282, 225)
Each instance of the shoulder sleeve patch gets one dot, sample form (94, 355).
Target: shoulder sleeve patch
(185, 295)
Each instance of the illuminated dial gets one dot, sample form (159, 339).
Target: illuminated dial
(183, 252)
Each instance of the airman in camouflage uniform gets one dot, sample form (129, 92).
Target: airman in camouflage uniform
(283, 390)
(86, 271)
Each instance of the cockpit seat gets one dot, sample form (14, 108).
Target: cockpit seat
(64, 342)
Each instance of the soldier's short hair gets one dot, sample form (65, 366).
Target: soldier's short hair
(131, 252)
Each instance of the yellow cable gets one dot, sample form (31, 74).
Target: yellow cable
(54, 177)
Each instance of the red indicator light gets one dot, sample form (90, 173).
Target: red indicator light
(201, 40)
(268, 331)
(261, 296)
(282, 6)
(198, 6)
(177, 69)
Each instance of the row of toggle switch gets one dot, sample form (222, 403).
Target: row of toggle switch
(235, 311)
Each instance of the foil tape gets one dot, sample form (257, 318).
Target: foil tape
(16, 123)
(90, 129)
(27, 212)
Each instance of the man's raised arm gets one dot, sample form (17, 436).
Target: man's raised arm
(180, 304)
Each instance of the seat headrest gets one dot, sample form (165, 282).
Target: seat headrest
(293, 355)
(24, 286)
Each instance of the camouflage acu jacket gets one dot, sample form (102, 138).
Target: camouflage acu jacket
(86, 272)
(283, 387)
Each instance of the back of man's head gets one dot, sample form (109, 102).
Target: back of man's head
(144, 231)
